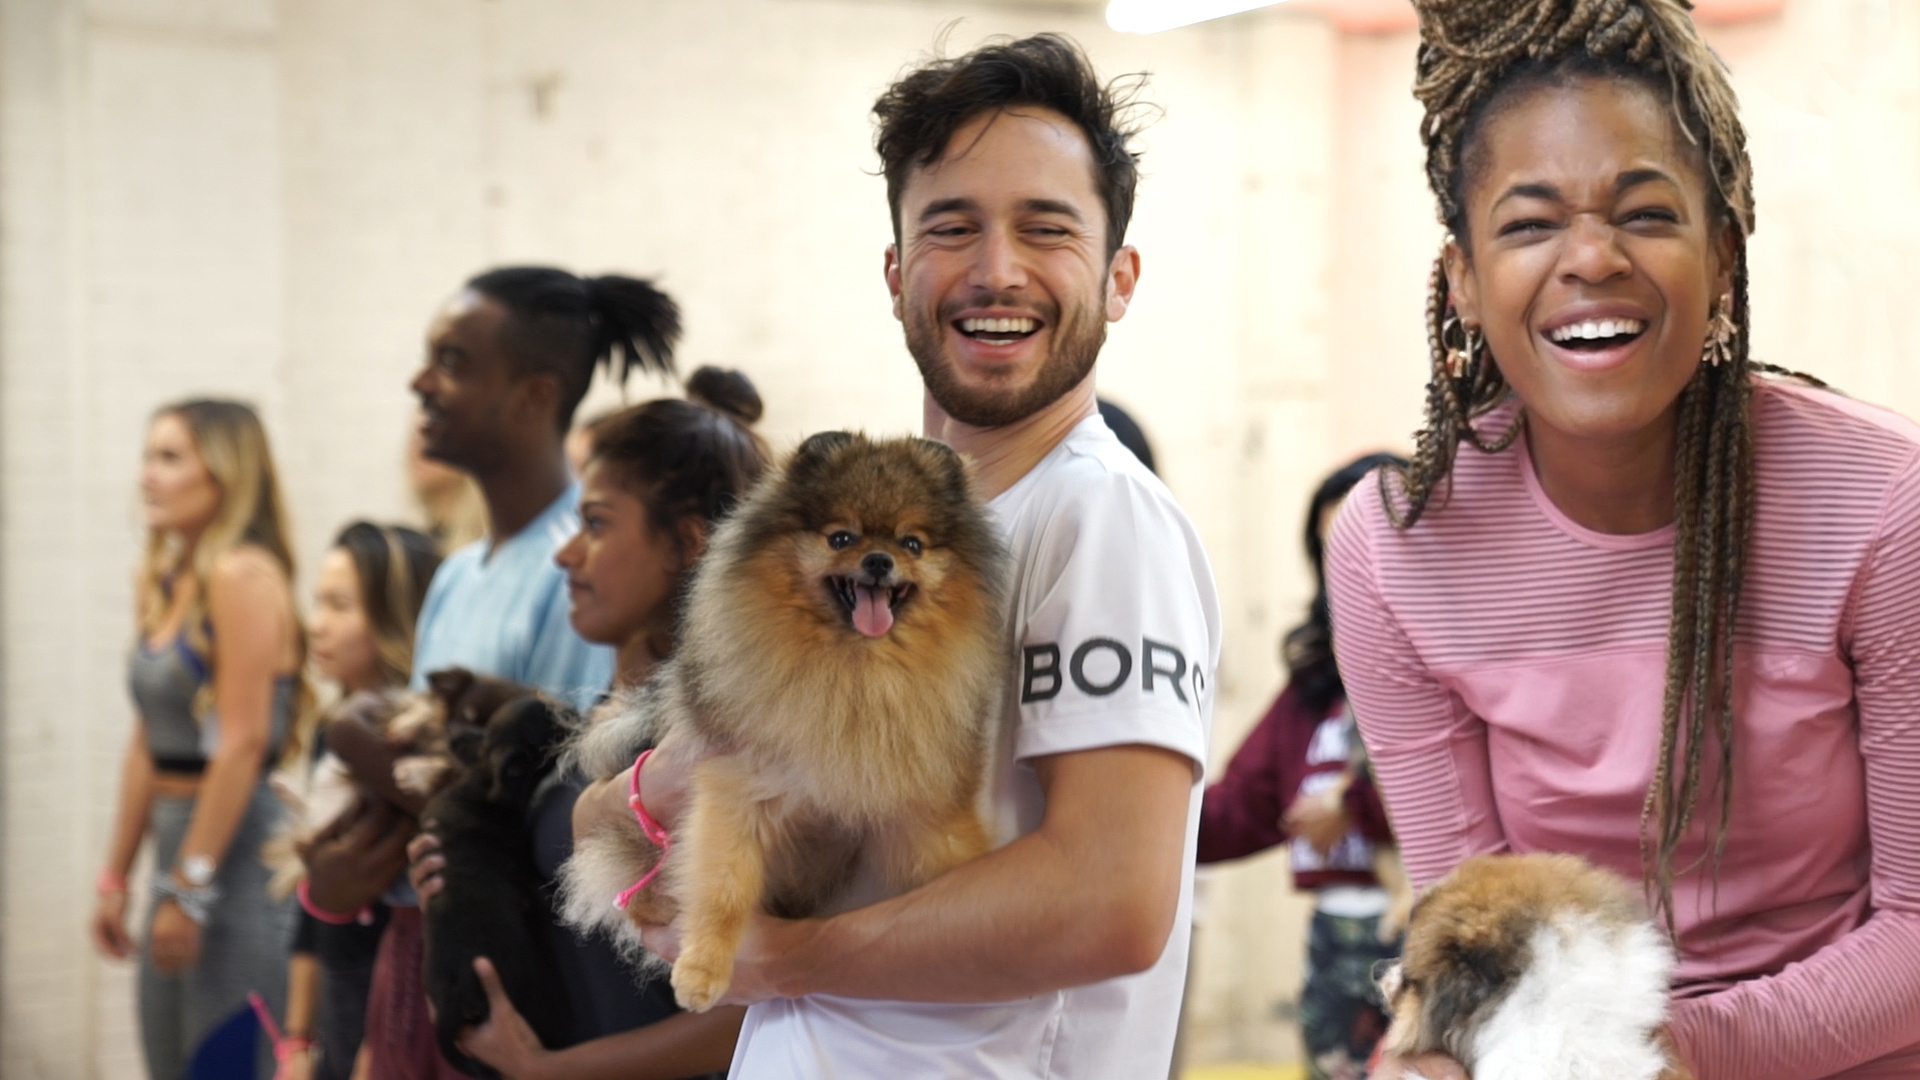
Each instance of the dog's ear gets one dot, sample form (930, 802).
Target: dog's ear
(467, 745)
(448, 684)
(817, 449)
(1470, 976)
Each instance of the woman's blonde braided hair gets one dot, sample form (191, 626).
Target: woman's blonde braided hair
(1476, 55)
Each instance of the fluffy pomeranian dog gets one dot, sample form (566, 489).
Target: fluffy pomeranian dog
(492, 902)
(1532, 967)
(392, 745)
(841, 662)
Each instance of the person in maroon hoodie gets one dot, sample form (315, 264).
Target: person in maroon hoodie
(1300, 780)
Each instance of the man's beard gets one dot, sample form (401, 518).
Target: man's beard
(1075, 346)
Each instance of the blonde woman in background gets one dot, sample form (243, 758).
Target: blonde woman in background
(216, 679)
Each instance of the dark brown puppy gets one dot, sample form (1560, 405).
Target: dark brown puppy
(492, 903)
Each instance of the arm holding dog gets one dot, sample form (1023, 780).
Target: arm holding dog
(1089, 895)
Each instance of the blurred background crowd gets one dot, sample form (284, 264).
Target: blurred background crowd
(267, 200)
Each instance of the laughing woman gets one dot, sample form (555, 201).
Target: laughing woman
(1659, 610)
(215, 677)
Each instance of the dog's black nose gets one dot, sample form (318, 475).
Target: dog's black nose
(877, 564)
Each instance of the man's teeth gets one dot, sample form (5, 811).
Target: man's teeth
(999, 326)
(1593, 329)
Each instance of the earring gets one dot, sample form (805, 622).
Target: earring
(1458, 357)
(1720, 334)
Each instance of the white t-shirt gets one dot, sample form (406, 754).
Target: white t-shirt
(1118, 626)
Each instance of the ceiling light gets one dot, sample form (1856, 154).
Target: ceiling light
(1153, 16)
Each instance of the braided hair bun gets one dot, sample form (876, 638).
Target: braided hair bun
(1470, 50)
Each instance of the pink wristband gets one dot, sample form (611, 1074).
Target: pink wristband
(109, 882)
(331, 918)
(652, 830)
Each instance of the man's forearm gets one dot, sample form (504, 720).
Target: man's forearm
(1090, 896)
(1009, 925)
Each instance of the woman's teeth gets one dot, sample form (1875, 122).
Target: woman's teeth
(1596, 329)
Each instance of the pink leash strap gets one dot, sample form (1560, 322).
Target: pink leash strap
(653, 832)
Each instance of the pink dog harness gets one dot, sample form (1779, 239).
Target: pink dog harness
(654, 833)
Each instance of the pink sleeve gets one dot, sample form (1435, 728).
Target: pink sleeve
(1428, 752)
(1859, 998)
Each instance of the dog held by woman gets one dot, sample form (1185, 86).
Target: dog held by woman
(841, 661)
(1532, 967)
(493, 904)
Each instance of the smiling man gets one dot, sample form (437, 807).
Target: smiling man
(1063, 952)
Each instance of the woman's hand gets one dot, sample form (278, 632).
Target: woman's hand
(1418, 1067)
(424, 863)
(664, 783)
(354, 859)
(1318, 819)
(505, 1041)
(174, 939)
(110, 925)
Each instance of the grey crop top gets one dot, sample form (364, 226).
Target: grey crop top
(165, 683)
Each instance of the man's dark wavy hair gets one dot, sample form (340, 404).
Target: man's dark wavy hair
(919, 114)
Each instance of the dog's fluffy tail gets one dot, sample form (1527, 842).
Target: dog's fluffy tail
(602, 865)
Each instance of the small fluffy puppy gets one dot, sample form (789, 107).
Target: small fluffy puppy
(1532, 967)
(840, 665)
(390, 745)
(492, 903)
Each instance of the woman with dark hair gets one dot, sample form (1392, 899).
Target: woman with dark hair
(657, 478)
(360, 633)
(1298, 779)
(216, 678)
(1658, 612)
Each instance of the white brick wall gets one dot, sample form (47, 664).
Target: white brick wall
(268, 199)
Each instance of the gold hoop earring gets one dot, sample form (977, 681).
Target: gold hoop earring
(1458, 357)
(1720, 334)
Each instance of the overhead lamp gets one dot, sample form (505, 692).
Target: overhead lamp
(1153, 16)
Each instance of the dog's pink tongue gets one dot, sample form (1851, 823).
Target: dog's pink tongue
(872, 615)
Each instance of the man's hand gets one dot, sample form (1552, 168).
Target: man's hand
(174, 939)
(1319, 819)
(505, 1041)
(1419, 1067)
(424, 863)
(357, 857)
(758, 965)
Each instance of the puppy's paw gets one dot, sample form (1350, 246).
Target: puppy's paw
(420, 774)
(700, 980)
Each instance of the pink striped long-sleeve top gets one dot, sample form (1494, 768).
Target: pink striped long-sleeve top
(1507, 666)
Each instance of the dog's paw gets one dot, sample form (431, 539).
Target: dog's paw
(700, 981)
(420, 774)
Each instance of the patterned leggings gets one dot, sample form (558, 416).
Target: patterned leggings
(1342, 1014)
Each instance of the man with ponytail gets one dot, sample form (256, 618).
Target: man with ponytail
(1655, 611)
(508, 361)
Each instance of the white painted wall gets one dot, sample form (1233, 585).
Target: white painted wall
(267, 198)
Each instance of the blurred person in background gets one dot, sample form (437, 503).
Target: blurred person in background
(656, 479)
(360, 639)
(508, 361)
(1298, 780)
(216, 678)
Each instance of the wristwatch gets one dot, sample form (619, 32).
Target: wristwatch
(197, 871)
